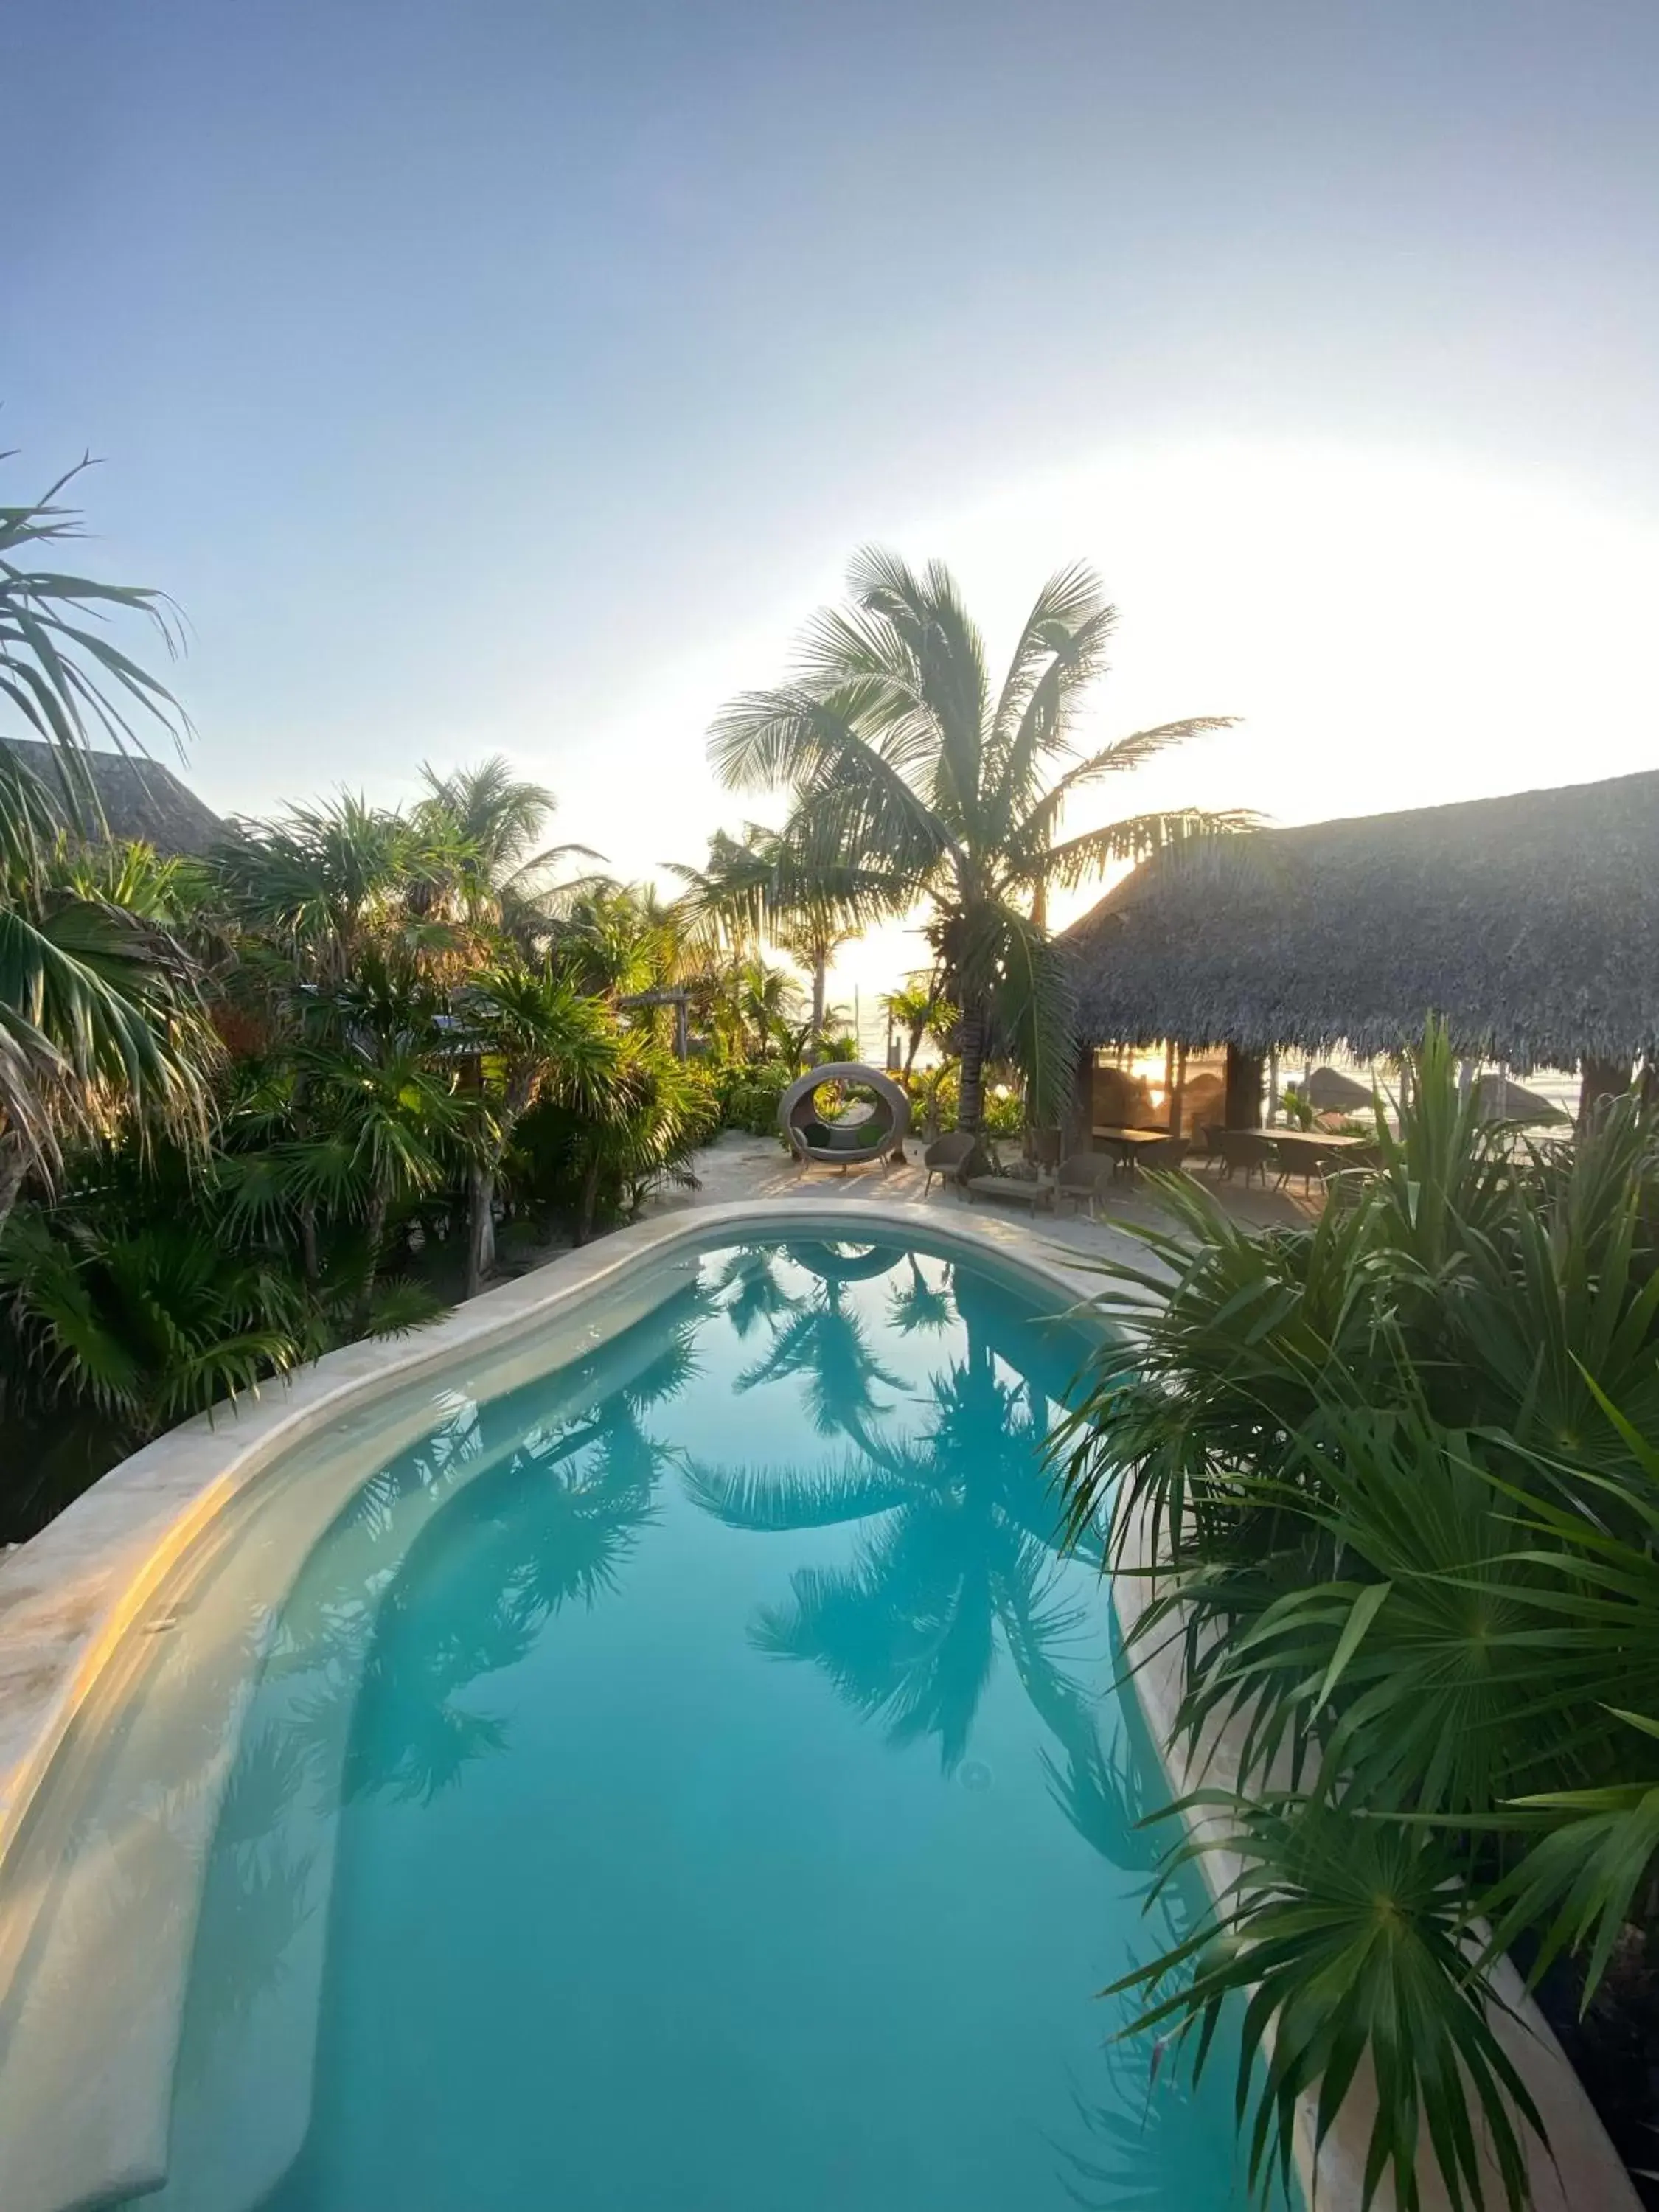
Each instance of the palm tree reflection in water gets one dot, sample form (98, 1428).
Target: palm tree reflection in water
(553, 1523)
(963, 1552)
(360, 1692)
(818, 1336)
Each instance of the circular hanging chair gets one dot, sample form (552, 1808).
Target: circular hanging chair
(865, 1133)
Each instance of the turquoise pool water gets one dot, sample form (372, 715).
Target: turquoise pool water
(692, 1780)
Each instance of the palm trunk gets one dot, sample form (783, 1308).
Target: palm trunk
(481, 1178)
(14, 1169)
(590, 1201)
(820, 983)
(480, 1227)
(970, 1109)
(374, 1230)
(308, 1255)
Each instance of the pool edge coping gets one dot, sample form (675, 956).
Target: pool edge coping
(70, 1595)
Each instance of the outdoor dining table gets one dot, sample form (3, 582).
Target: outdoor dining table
(1125, 1144)
(1305, 1152)
(1312, 1140)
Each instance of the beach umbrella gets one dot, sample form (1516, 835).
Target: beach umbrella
(1502, 1099)
(1331, 1092)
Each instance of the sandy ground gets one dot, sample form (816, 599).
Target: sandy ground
(737, 1166)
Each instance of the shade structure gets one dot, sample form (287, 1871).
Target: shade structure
(1528, 924)
(1503, 1099)
(1330, 1091)
(874, 1134)
(139, 799)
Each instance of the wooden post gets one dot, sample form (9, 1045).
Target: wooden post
(1178, 1095)
(1599, 1079)
(1243, 1093)
(1080, 1115)
(1273, 1086)
(1169, 1083)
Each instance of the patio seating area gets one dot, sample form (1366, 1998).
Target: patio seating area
(1083, 1204)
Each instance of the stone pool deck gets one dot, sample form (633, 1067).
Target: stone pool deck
(736, 1167)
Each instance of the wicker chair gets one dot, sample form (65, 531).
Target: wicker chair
(1209, 1137)
(1082, 1176)
(1305, 1160)
(1246, 1149)
(950, 1159)
(877, 1133)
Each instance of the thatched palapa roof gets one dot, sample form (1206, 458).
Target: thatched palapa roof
(142, 801)
(1530, 923)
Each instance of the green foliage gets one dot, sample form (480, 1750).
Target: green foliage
(1396, 1475)
(594, 1161)
(258, 1104)
(748, 1092)
(913, 779)
(60, 673)
(936, 1095)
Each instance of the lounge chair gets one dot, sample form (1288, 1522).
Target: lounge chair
(948, 1158)
(1083, 1178)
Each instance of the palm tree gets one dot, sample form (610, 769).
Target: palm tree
(99, 1009)
(639, 1129)
(101, 1014)
(538, 1034)
(488, 823)
(906, 772)
(920, 1009)
(758, 888)
(323, 883)
(610, 941)
(68, 681)
(381, 1113)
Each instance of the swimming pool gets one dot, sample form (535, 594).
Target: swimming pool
(686, 1775)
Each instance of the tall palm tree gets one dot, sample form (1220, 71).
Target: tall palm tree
(905, 768)
(920, 1009)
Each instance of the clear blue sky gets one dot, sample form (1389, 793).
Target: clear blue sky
(478, 373)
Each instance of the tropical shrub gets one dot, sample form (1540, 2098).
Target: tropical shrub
(936, 1097)
(259, 1102)
(747, 1093)
(1396, 1478)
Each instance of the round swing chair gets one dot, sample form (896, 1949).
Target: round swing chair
(861, 1116)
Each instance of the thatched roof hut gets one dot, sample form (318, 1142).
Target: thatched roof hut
(1530, 923)
(143, 802)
